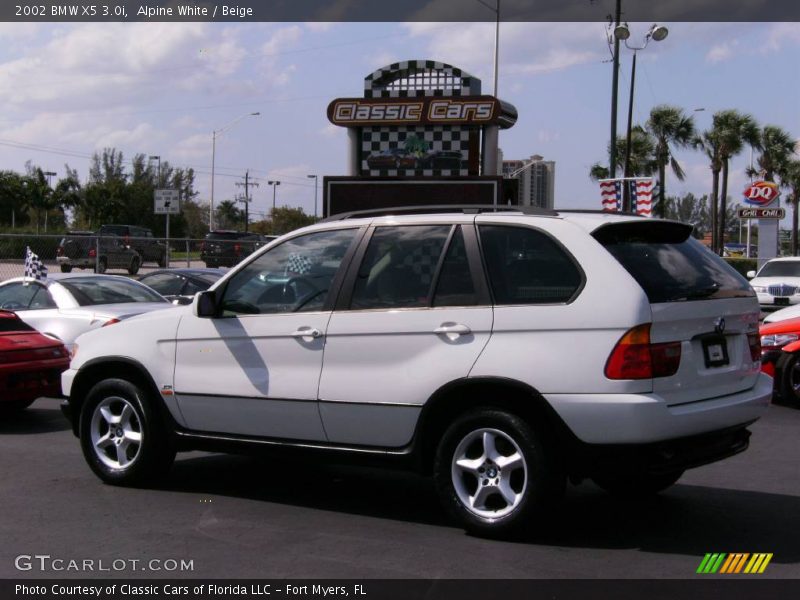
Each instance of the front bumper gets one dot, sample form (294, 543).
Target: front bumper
(647, 418)
(769, 301)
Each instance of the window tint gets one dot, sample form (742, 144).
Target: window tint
(669, 264)
(789, 268)
(526, 266)
(18, 296)
(292, 277)
(42, 299)
(455, 286)
(96, 290)
(165, 284)
(399, 266)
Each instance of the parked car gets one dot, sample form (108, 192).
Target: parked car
(30, 364)
(79, 251)
(224, 248)
(790, 312)
(180, 285)
(140, 239)
(780, 357)
(63, 306)
(393, 158)
(442, 159)
(777, 283)
(503, 352)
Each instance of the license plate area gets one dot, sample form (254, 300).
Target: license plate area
(781, 301)
(715, 351)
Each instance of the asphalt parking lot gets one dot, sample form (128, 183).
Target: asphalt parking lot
(243, 517)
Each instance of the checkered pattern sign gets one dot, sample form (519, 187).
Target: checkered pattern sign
(415, 78)
(423, 260)
(34, 267)
(439, 158)
(298, 263)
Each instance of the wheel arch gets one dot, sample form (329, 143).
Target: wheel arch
(459, 396)
(114, 367)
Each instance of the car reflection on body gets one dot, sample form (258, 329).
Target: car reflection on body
(30, 364)
(65, 305)
(180, 285)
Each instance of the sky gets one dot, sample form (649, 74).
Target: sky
(69, 90)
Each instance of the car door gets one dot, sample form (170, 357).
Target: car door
(254, 369)
(415, 317)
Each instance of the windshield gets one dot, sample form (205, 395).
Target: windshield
(92, 291)
(788, 268)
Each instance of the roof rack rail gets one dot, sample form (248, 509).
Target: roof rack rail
(594, 211)
(441, 208)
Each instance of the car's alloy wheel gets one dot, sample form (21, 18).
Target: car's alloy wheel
(123, 438)
(496, 473)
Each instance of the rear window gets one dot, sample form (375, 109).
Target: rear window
(226, 235)
(788, 268)
(669, 264)
(91, 291)
(121, 230)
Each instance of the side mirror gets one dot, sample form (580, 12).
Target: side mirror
(206, 305)
(751, 274)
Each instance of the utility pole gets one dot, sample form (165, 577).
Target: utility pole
(50, 174)
(612, 165)
(246, 185)
(274, 185)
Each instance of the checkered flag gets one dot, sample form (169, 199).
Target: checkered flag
(298, 264)
(34, 267)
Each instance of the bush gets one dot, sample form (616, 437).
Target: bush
(743, 265)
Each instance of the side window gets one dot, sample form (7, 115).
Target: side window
(526, 266)
(42, 299)
(293, 277)
(455, 286)
(18, 296)
(399, 267)
(165, 284)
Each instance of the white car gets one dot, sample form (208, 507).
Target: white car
(777, 283)
(65, 305)
(503, 352)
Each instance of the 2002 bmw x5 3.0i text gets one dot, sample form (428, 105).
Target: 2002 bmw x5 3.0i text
(503, 352)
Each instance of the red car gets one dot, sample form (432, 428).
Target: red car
(780, 357)
(30, 364)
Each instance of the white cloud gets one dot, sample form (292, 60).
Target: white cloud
(720, 52)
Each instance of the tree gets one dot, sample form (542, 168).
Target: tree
(13, 199)
(732, 130)
(709, 144)
(669, 127)
(227, 215)
(283, 220)
(790, 178)
(776, 146)
(642, 151)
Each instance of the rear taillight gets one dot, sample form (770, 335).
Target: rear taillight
(634, 357)
(110, 322)
(60, 251)
(755, 346)
(92, 252)
(237, 248)
(202, 246)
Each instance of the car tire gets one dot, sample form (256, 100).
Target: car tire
(14, 406)
(789, 390)
(162, 261)
(133, 268)
(473, 454)
(637, 485)
(123, 438)
(66, 268)
(101, 266)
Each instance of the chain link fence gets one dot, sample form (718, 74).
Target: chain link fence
(89, 252)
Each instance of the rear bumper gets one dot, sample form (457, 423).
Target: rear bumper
(646, 418)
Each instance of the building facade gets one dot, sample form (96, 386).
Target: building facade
(536, 177)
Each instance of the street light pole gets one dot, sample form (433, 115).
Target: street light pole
(214, 134)
(274, 185)
(316, 180)
(47, 174)
(612, 165)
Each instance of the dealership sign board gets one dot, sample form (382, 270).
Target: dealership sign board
(761, 193)
(762, 213)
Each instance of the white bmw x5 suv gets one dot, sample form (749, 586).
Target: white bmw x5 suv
(501, 351)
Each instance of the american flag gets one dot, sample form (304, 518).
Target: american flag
(641, 191)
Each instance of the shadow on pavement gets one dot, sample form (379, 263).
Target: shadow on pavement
(39, 418)
(686, 520)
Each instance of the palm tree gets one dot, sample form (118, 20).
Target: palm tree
(228, 215)
(732, 131)
(670, 127)
(776, 147)
(708, 143)
(790, 178)
(641, 159)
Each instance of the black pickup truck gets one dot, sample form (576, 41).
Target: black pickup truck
(140, 239)
(223, 248)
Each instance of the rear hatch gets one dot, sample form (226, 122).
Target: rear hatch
(696, 299)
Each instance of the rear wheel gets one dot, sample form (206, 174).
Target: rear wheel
(494, 474)
(101, 266)
(66, 268)
(122, 438)
(162, 260)
(133, 268)
(790, 379)
(639, 484)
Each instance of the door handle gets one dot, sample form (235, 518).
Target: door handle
(304, 332)
(454, 329)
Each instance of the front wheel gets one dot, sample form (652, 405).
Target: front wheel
(494, 473)
(122, 437)
(101, 266)
(66, 268)
(133, 268)
(790, 379)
